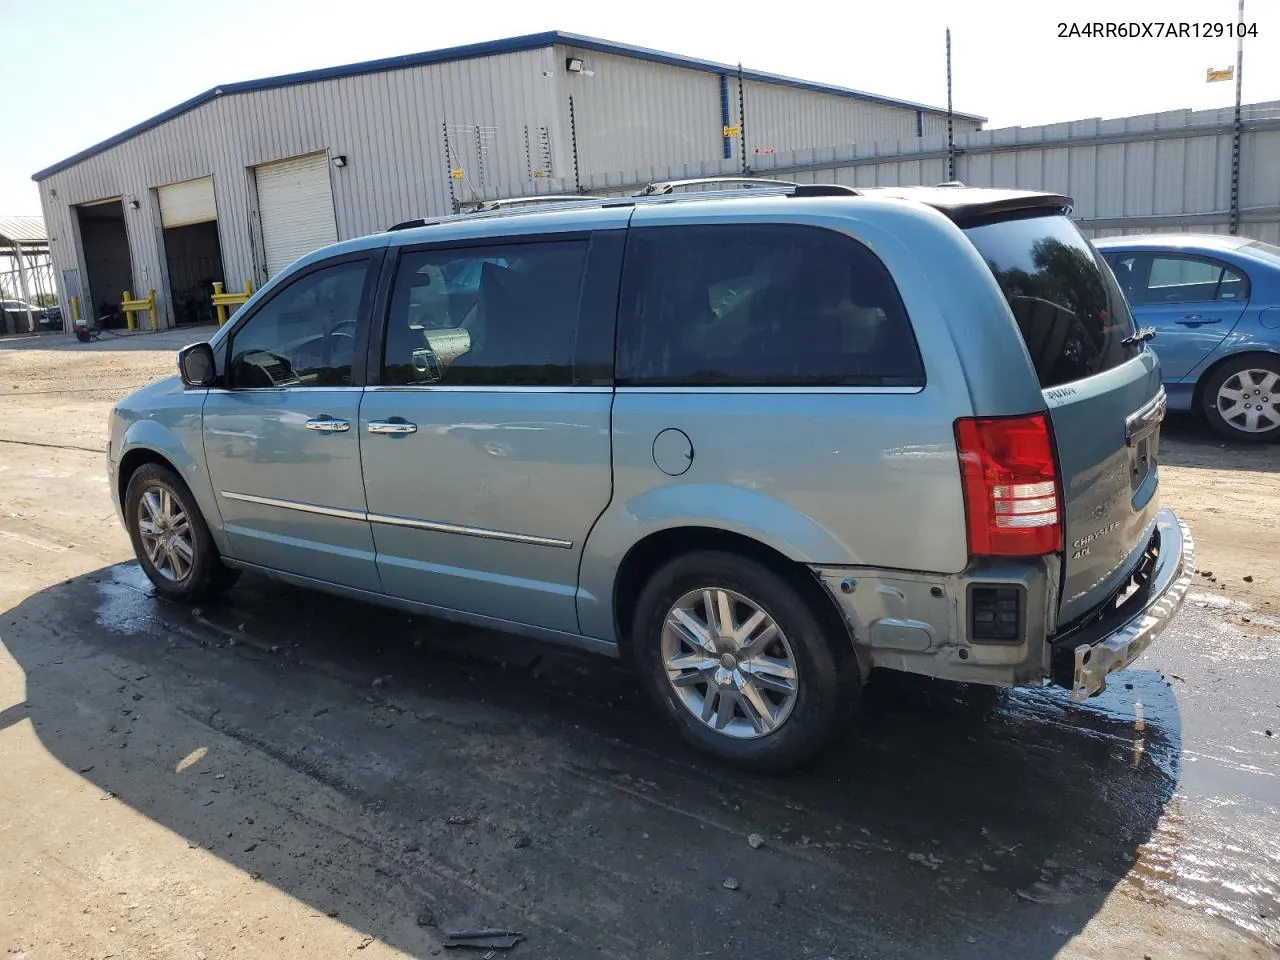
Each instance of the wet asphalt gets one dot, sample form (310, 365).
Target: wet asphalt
(414, 777)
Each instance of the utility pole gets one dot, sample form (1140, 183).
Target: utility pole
(951, 141)
(1233, 226)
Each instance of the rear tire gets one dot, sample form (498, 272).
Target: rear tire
(170, 537)
(1242, 397)
(766, 696)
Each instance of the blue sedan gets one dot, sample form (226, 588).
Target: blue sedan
(1214, 302)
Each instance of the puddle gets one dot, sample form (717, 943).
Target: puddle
(126, 600)
(1192, 860)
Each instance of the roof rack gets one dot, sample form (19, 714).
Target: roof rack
(533, 200)
(793, 189)
(727, 183)
(657, 192)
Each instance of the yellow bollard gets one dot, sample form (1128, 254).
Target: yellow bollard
(75, 310)
(219, 308)
(155, 317)
(223, 300)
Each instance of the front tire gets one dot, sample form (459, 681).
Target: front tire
(1241, 399)
(170, 537)
(739, 660)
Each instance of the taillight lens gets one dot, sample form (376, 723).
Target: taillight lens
(1011, 495)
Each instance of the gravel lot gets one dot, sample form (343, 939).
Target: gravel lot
(289, 775)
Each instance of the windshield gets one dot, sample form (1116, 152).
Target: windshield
(1072, 315)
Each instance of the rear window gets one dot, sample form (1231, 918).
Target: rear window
(760, 305)
(1068, 307)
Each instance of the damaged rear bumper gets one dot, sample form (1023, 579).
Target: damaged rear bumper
(1117, 637)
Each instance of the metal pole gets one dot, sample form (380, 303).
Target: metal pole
(742, 123)
(22, 285)
(573, 140)
(1236, 128)
(951, 142)
(448, 168)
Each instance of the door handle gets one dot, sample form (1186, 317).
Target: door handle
(1197, 320)
(393, 427)
(328, 424)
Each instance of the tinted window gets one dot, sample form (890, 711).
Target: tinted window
(492, 316)
(305, 334)
(760, 305)
(1066, 302)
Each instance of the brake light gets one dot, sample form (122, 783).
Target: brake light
(1010, 481)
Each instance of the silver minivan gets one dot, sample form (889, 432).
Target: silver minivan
(757, 444)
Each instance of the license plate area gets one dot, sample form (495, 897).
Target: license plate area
(1142, 436)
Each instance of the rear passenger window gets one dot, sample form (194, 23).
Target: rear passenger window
(1191, 280)
(1067, 305)
(496, 315)
(760, 305)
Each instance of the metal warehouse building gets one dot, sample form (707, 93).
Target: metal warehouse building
(237, 182)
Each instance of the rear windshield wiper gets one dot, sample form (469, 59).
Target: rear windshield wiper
(1142, 336)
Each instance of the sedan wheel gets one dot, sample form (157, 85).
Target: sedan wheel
(1250, 400)
(1241, 399)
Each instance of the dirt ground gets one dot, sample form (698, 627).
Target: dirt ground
(290, 775)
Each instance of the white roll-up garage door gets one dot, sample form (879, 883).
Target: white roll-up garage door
(188, 202)
(295, 203)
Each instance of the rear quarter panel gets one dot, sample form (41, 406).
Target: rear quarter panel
(847, 477)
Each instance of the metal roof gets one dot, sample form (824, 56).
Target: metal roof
(23, 230)
(1211, 241)
(471, 51)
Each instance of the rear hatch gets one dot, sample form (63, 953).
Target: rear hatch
(1103, 394)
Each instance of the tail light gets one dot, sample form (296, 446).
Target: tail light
(1010, 481)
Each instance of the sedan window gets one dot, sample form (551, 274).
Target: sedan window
(1177, 279)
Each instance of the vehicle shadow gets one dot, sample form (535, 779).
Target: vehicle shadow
(1187, 441)
(401, 772)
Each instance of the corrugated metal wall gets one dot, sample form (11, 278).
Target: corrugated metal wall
(783, 119)
(1157, 172)
(634, 114)
(631, 114)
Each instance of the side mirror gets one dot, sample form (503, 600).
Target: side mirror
(197, 366)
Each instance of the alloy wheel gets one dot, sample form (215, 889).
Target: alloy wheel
(729, 663)
(166, 533)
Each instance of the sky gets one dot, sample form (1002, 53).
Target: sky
(74, 72)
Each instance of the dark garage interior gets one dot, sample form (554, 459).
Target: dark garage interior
(194, 258)
(106, 258)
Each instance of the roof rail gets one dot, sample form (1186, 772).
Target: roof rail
(668, 187)
(532, 200)
(656, 192)
(728, 183)
(951, 183)
(410, 224)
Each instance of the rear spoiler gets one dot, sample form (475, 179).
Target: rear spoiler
(972, 206)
